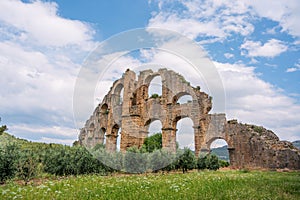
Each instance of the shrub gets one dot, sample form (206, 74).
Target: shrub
(223, 163)
(154, 96)
(27, 166)
(9, 156)
(186, 160)
(201, 162)
(212, 162)
(135, 161)
(258, 129)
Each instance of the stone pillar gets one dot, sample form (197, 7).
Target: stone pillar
(199, 139)
(169, 139)
(111, 143)
(142, 135)
(130, 132)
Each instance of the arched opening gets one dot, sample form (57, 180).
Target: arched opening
(91, 130)
(154, 138)
(119, 140)
(155, 126)
(185, 133)
(155, 87)
(219, 147)
(119, 94)
(102, 136)
(92, 126)
(185, 99)
(104, 109)
(113, 140)
(182, 97)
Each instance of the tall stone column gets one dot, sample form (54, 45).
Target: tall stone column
(169, 139)
(130, 132)
(111, 143)
(199, 139)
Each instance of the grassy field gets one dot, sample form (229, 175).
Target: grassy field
(193, 185)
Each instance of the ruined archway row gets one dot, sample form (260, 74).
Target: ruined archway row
(133, 111)
(138, 109)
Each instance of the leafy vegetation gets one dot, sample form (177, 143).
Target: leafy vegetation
(194, 185)
(25, 160)
(152, 143)
(2, 128)
(154, 96)
(8, 162)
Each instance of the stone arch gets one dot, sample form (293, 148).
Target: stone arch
(149, 78)
(104, 109)
(155, 88)
(92, 125)
(118, 94)
(111, 138)
(185, 99)
(210, 141)
(115, 129)
(229, 150)
(177, 96)
(150, 121)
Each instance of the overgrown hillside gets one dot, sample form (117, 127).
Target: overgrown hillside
(6, 138)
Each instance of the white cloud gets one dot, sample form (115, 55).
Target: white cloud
(212, 19)
(252, 100)
(295, 68)
(39, 22)
(40, 53)
(292, 69)
(228, 55)
(285, 12)
(271, 48)
(47, 134)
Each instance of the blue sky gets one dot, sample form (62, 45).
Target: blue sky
(253, 44)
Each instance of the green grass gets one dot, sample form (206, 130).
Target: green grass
(193, 185)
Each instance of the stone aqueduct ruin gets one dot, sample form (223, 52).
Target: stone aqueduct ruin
(248, 145)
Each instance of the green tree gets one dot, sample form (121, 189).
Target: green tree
(152, 143)
(201, 162)
(186, 160)
(9, 156)
(223, 163)
(212, 162)
(2, 128)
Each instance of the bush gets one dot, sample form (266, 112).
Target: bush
(223, 163)
(201, 162)
(27, 166)
(135, 161)
(186, 160)
(212, 162)
(9, 156)
(154, 96)
(71, 161)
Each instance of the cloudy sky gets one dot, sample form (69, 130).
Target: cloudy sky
(254, 45)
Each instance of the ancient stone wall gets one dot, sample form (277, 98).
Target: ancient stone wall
(248, 145)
